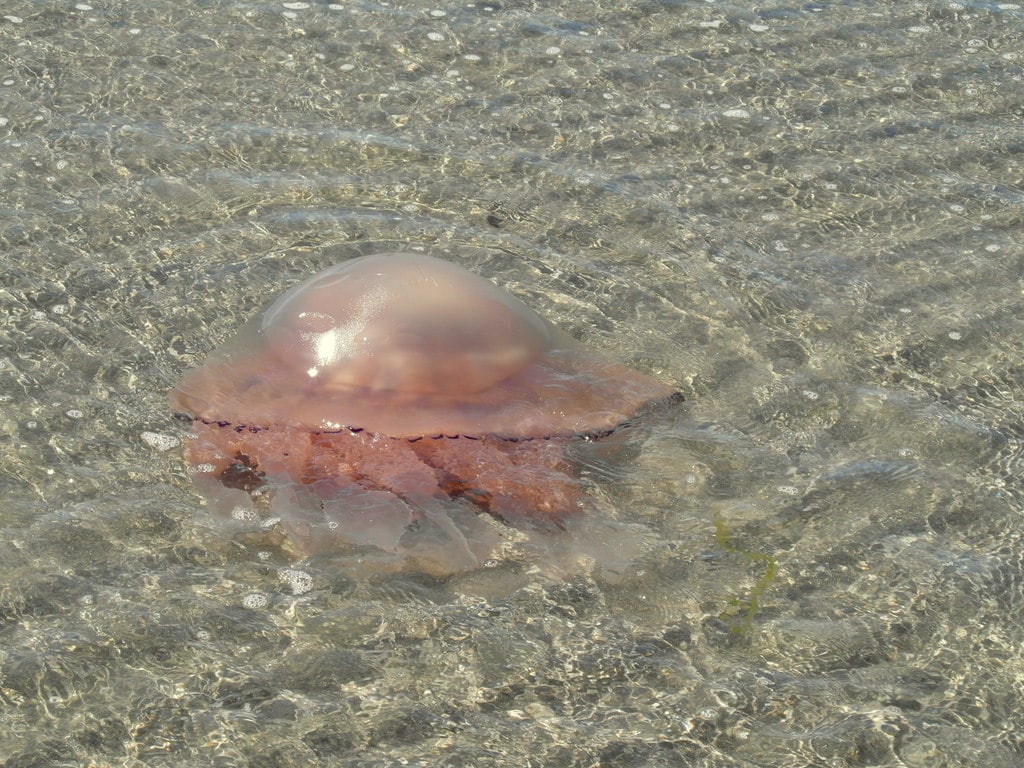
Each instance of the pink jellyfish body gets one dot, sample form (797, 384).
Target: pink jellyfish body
(387, 400)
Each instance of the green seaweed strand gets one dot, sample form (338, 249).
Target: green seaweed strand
(737, 605)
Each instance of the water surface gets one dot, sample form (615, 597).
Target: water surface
(806, 216)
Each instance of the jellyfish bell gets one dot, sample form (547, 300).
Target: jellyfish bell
(403, 323)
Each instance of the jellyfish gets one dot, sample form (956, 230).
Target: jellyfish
(398, 402)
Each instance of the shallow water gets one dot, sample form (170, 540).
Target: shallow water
(807, 217)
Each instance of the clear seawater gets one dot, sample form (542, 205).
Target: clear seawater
(808, 216)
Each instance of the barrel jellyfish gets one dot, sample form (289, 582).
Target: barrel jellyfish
(399, 404)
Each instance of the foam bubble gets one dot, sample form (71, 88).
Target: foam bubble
(153, 439)
(256, 600)
(244, 514)
(299, 582)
